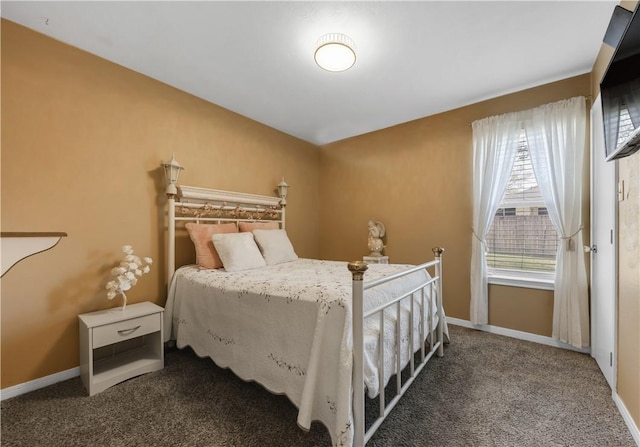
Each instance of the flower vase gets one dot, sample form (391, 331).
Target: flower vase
(124, 300)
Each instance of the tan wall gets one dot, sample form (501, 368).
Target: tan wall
(628, 355)
(416, 178)
(82, 140)
(528, 310)
(628, 380)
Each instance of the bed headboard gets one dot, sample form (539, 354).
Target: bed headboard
(203, 205)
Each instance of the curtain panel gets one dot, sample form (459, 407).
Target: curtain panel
(556, 136)
(495, 143)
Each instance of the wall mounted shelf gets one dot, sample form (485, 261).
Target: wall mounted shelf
(16, 246)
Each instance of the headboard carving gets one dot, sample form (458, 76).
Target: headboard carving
(226, 212)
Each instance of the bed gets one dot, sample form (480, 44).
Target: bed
(324, 333)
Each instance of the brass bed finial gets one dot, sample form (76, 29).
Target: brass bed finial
(437, 251)
(357, 269)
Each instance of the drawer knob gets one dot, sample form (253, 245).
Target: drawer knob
(128, 331)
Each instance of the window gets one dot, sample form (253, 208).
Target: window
(522, 241)
(506, 212)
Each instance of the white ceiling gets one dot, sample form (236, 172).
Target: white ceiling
(415, 59)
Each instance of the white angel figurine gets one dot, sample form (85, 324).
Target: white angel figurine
(376, 233)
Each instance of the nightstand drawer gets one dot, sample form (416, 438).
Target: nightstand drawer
(125, 330)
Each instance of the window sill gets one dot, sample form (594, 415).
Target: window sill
(517, 279)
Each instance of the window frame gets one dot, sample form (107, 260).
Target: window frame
(520, 278)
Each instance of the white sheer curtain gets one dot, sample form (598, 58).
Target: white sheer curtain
(495, 142)
(556, 139)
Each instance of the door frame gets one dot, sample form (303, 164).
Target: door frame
(597, 122)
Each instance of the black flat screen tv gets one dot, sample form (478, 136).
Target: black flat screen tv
(620, 94)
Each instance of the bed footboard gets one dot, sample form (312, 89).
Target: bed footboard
(431, 286)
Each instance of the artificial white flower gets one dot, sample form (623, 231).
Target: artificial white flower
(125, 275)
(118, 271)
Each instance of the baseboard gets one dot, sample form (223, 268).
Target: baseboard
(36, 384)
(631, 425)
(521, 335)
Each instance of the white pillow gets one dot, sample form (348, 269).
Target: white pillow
(238, 251)
(275, 246)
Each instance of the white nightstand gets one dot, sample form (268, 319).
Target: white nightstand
(116, 345)
(376, 259)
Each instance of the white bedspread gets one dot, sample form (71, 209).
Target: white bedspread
(288, 327)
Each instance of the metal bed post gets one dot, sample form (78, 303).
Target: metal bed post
(437, 252)
(357, 270)
(171, 234)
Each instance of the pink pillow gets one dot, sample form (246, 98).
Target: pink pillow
(250, 226)
(200, 234)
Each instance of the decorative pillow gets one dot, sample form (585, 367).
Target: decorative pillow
(200, 234)
(250, 226)
(238, 251)
(275, 246)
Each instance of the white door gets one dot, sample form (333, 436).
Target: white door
(604, 209)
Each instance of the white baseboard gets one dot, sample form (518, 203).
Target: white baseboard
(631, 425)
(36, 384)
(521, 335)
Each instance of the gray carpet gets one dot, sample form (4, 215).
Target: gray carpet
(488, 390)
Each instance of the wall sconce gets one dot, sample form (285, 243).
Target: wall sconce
(171, 173)
(282, 191)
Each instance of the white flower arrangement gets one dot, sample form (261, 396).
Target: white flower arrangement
(125, 276)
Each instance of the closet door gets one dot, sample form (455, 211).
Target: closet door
(604, 211)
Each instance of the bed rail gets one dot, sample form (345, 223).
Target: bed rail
(433, 285)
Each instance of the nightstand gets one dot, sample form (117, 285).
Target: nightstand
(116, 344)
(376, 259)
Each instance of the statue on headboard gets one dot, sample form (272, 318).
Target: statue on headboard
(376, 233)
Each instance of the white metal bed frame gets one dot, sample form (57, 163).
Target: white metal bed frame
(217, 206)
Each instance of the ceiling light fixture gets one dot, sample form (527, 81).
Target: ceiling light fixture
(335, 52)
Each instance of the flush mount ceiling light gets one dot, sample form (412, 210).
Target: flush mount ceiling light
(335, 52)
